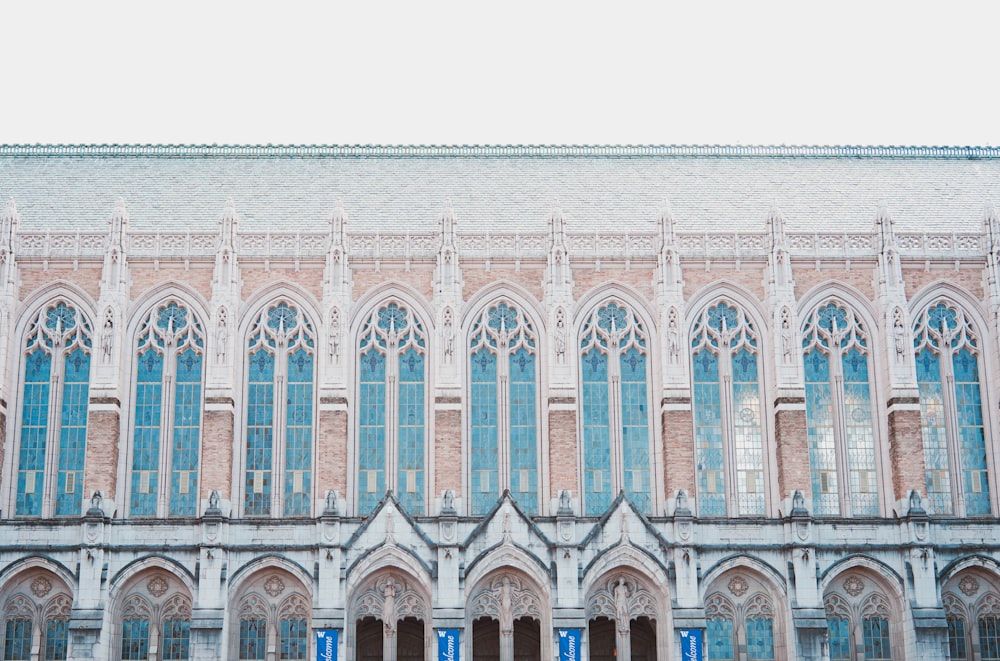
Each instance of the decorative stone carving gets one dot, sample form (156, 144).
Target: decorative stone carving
(41, 586)
(390, 598)
(157, 586)
(622, 597)
(853, 585)
(505, 599)
(274, 585)
(738, 586)
(968, 585)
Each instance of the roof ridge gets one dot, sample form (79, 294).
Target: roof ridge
(540, 151)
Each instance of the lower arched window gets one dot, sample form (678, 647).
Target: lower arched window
(272, 615)
(36, 616)
(860, 621)
(738, 616)
(972, 608)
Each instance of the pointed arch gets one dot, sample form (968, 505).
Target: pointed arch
(727, 333)
(271, 607)
(508, 556)
(275, 468)
(56, 340)
(865, 609)
(620, 449)
(392, 336)
(503, 421)
(159, 470)
(151, 602)
(744, 608)
(840, 353)
(951, 341)
(970, 594)
(36, 599)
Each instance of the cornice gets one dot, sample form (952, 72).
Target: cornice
(497, 151)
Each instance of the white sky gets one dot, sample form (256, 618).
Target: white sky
(500, 72)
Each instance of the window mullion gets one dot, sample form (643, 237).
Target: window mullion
(503, 422)
(840, 432)
(167, 413)
(53, 440)
(728, 430)
(278, 437)
(614, 416)
(951, 428)
(391, 419)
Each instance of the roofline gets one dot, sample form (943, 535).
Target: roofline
(529, 151)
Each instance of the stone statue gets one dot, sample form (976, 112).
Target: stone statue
(213, 500)
(565, 502)
(389, 607)
(108, 335)
(448, 502)
(331, 502)
(621, 605)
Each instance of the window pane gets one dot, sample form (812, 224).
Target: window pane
(971, 441)
(410, 481)
(187, 433)
(484, 480)
(135, 639)
(260, 417)
(876, 638)
(73, 434)
(760, 638)
(635, 428)
(34, 433)
(253, 640)
(708, 435)
(523, 430)
(294, 639)
(371, 430)
(596, 433)
(748, 440)
(956, 639)
(719, 635)
(932, 424)
(17, 639)
(820, 425)
(176, 640)
(839, 637)
(56, 639)
(860, 439)
(989, 637)
(146, 434)
(298, 435)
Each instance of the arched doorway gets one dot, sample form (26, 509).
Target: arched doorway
(390, 617)
(506, 624)
(621, 616)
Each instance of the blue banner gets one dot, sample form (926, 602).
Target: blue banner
(448, 649)
(569, 645)
(691, 640)
(326, 644)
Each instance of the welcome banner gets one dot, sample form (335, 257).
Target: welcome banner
(569, 645)
(326, 644)
(448, 649)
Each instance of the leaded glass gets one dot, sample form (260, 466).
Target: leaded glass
(176, 639)
(280, 401)
(957, 649)
(839, 413)
(614, 377)
(503, 405)
(719, 637)
(839, 637)
(56, 639)
(17, 639)
(294, 639)
(392, 387)
(989, 637)
(135, 639)
(946, 351)
(56, 380)
(875, 631)
(760, 638)
(253, 639)
(727, 413)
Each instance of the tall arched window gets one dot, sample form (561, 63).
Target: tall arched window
(36, 614)
(615, 403)
(951, 411)
(53, 441)
(727, 413)
(391, 398)
(839, 413)
(503, 406)
(279, 429)
(167, 424)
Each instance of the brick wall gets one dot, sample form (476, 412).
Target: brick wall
(861, 278)
(102, 452)
(678, 450)
(217, 454)
(331, 452)
(792, 447)
(365, 279)
(87, 278)
(145, 277)
(906, 452)
(255, 278)
(447, 450)
(750, 278)
(563, 452)
(475, 278)
(640, 279)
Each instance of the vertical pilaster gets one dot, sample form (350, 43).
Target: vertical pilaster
(906, 450)
(790, 435)
(9, 280)
(334, 361)
(220, 414)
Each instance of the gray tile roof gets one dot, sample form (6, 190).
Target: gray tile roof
(395, 189)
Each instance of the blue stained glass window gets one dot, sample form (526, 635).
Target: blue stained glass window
(989, 637)
(957, 649)
(875, 631)
(719, 637)
(839, 414)
(260, 431)
(392, 409)
(135, 639)
(253, 639)
(596, 433)
(502, 412)
(760, 638)
(294, 639)
(946, 351)
(17, 639)
(298, 436)
(727, 419)
(54, 420)
(56, 640)
(839, 638)
(187, 433)
(176, 639)
(146, 434)
(615, 410)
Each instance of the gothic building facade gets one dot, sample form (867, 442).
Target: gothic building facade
(249, 394)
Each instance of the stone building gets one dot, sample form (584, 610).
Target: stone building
(254, 393)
